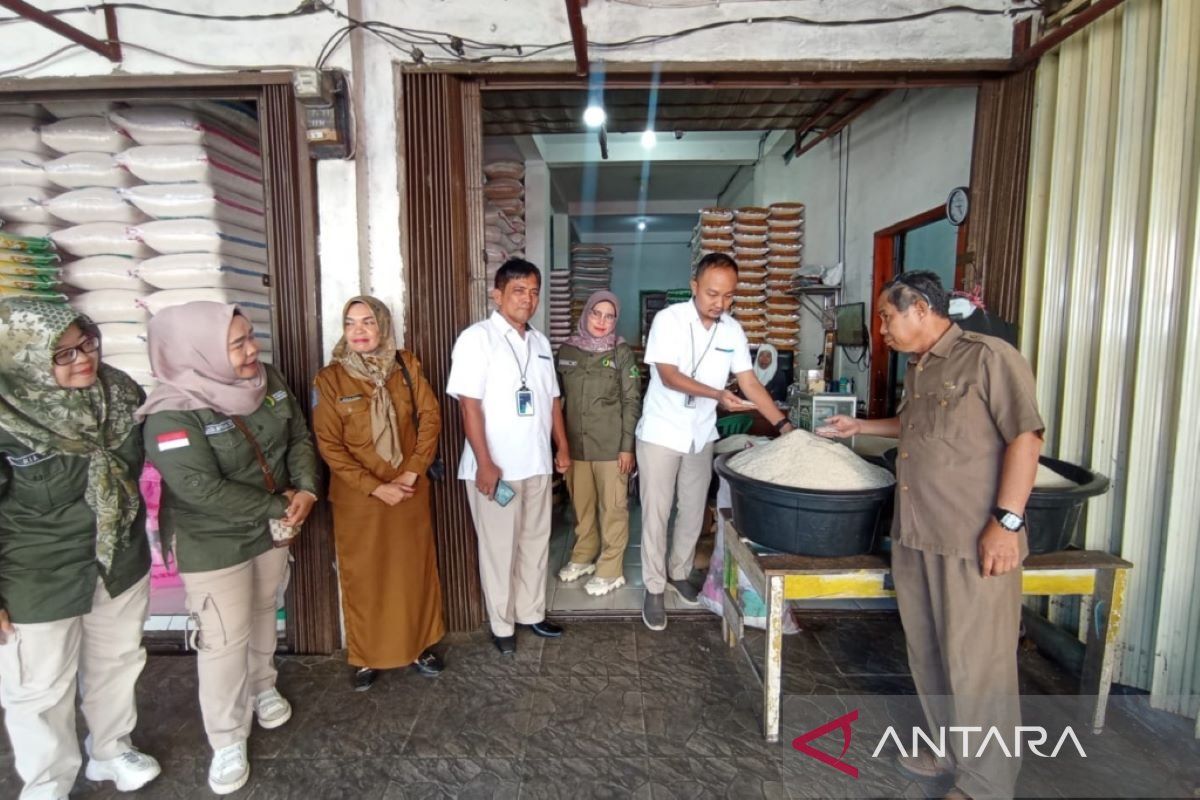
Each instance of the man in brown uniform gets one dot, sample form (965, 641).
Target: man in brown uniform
(970, 435)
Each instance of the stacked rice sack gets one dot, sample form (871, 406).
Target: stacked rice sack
(750, 253)
(785, 243)
(29, 268)
(591, 271)
(25, 187)
(560, 307)
(504, 213)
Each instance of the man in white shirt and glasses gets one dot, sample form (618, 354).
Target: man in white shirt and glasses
(692, 349)
(502, 374)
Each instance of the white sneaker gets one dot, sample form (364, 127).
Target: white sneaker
(573, 571)
(230, 769)
(271, 709)
(130, 771)
(598, 586)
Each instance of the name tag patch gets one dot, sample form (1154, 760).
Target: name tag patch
(566, 362)
(30, 459)
(172, 440)
(548, 358)
(276, 397)
(350, 398)
(218, 427)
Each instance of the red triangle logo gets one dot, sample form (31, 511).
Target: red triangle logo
(842, 723)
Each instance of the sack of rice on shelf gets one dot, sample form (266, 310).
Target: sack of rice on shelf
(204, 270)
(166, 125)
(99, 239)
(89, 134)
(104, 272)
(23, 168)
(179, 200)
(26, 204)
(81, 170)
(94, 204)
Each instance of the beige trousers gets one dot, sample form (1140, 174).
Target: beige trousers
(514, 546)
(665, 475)
(40, 666)
(233, 615)
(599, 492)
(962, 631)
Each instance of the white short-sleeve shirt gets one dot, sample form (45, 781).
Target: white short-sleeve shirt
(709, 355)
(487, 363)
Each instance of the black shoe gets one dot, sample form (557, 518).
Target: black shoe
(547, 629)
(429, 665)
(363, 678)
(507, 645)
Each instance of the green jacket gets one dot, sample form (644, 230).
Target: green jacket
(602, 400)
(215, 502)
(48, 566)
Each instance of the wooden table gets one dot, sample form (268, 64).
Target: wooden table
(778, 578)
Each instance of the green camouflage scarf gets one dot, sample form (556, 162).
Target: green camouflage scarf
(90, 423)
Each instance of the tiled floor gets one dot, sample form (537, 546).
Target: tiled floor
(611, 710)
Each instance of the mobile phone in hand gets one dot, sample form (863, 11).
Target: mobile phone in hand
(504, 493)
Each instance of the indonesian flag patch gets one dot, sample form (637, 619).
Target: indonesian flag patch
(172, 440)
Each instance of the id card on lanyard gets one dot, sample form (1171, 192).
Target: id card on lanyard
(689, 401)
(524, 394)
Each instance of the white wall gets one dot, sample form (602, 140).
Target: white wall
(359, 203)
(906, 154)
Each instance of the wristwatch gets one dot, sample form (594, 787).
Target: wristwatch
(1009, 520)
(783, 421)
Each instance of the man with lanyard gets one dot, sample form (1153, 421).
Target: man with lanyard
(970, 434)
(502, 375)
(692, 349)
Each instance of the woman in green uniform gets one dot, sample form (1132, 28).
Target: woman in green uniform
(601, 388)
(74, 562)
(239, 475)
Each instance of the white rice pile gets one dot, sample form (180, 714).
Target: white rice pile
(805, 461)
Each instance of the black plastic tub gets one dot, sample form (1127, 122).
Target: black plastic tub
(1052, 515)
(803, 521)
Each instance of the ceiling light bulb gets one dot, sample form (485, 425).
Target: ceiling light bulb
(594, 116)
(641, 224)
(648, 138)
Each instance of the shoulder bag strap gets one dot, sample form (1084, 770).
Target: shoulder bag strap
(268, 477)
(412, 392)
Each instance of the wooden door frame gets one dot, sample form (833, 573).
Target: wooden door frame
(884, 270)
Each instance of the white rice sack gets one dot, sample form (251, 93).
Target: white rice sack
(25, 204)
(23, 110)
(94, 204)
(176, 200)
(111, 305)
(122, 337)
(21, 133)
(203, 270)
(35, 229)
(104, 272)
(203, 236)
(85, 134)
(22, 168)
(182, 163)
(256, 307)
(235, 115)
(178, 125)
(135, 365)
(101, 239)
(79, 170)
(64, 109)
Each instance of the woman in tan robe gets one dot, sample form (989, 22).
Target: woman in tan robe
(387, 561)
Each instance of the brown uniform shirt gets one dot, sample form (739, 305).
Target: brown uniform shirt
(342, 425)
(964, 401)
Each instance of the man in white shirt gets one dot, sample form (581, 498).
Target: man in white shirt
(692, 349)
(502, 374)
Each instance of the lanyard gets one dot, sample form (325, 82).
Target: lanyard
(692, 342)
(528, 357)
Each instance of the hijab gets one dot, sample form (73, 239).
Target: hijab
(189, 355)
(765, 374)
(376, 368)
(584, 339)
(88, 423)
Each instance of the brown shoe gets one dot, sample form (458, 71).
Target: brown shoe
(922, 766)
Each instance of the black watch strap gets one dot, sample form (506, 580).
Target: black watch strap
(783, 421)
(1009, 520)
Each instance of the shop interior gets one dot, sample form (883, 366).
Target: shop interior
(627, 190)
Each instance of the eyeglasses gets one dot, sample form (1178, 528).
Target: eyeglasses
(597, 314)
(69, 355)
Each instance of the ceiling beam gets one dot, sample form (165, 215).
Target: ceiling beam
(812, 122)
(1073, 25)
(110, 49)
(845, 120)
(578, 35)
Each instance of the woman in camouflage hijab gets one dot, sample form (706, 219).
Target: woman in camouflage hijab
(90, 422)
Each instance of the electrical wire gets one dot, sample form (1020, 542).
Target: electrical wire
(40, 61)
(304, 9)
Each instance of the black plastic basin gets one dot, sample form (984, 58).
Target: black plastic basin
(1052, 515)
(805, 522)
